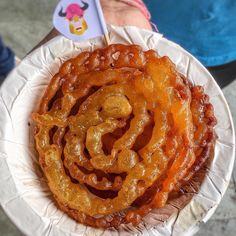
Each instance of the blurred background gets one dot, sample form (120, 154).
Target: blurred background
(22, 25)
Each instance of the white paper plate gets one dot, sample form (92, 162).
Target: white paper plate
(24, 194)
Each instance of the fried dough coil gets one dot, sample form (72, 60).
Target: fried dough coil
(119, 127)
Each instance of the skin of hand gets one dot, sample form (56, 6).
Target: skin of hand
(121, 14)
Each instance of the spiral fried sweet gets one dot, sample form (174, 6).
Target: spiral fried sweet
(118, 130)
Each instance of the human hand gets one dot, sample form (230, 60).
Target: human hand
(121, 14)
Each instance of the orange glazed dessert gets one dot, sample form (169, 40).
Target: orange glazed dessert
(118, 131)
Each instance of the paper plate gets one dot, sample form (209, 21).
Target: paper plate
(24, 194)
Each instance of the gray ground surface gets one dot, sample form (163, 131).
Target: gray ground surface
(22, 25)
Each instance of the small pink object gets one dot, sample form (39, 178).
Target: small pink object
(74, 10)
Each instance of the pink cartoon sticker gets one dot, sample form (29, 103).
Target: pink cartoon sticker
(74, 13)
(79, 19)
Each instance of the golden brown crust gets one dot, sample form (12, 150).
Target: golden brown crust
(119, 127)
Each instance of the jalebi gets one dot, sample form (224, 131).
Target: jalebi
(117, 131)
